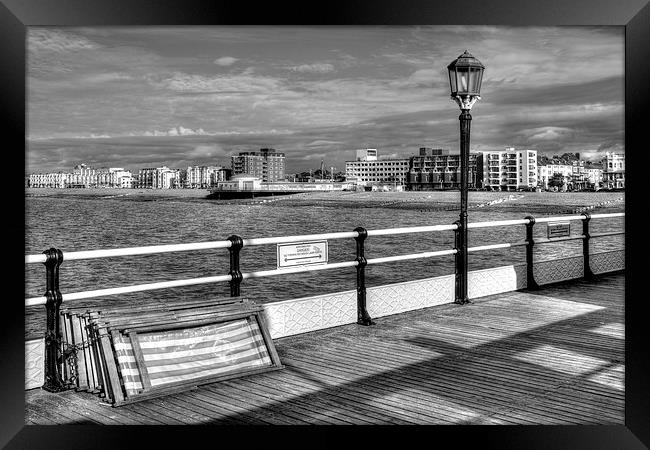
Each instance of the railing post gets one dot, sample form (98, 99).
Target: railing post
(530, 243)
(460, 271)
(363, 318)
(588, 274)
(53, 380)
(235, 272)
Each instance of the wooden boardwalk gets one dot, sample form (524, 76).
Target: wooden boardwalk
(553, 356)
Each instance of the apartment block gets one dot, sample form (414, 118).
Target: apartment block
(267, 164)
(435, 168)
(369, 168)
(159, 178)
(203, 177)
(509, 169)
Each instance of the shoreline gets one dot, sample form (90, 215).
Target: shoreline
(574, 201)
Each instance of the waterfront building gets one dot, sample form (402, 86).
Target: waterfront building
(594, 175)
(509, 169)
(574, 176)
(203, 177)
(48, 180)
(159, 178)
(82, 176)
(368, 168)
(614, 170)
(267, 164)
(435, 168)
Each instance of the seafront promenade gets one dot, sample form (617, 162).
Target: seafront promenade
(550, 356)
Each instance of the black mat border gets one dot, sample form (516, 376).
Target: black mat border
(15, 15)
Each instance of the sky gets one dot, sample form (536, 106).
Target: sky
(136, 97)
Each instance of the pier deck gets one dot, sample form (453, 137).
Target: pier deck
(552, 356)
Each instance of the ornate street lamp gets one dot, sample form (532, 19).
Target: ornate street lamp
(465, 77)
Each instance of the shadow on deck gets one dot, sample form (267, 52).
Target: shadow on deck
(552, 356)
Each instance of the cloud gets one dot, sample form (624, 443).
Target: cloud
(313, 68)
(225, 61)
(57, 40)
(176, 131)
(236, 83)
(547, 133)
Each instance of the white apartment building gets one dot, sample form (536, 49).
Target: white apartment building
(83, 176)
(48, 180)
(158, 178)
(203, 177)
(614, 170)
(509, 169)
(369, 168)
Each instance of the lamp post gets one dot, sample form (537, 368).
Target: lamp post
(465, 76)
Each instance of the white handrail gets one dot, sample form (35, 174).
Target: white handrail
(489, 247)
(498, 223)
(411, 256)
(553, 219)
(268, 273)
(390, 231)
(128, 289)
(107, 253)
(601, 216)
(304, 237)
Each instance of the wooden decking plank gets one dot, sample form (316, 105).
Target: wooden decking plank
(57, 410)
(256, 405)
(246, 408)
(288, 399)
(332, 394)
(274, 401)
(169, 412)
(361, 398)
(316, 400)
(103, 412)
(236, 412)
(215, 410)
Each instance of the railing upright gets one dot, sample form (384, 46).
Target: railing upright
(530, 243)
(363, 318)
(588, 274)
(460, 261)
(235, 271)
(53, 380)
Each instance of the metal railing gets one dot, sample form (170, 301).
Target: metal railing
(52, 259)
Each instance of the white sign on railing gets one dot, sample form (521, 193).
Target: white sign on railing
(558, 229)
(302, 254)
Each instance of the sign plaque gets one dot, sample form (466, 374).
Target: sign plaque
(558, 229)
(302, 254)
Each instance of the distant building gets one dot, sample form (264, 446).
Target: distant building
(368, 168)
(614, 170)
(159, 178)
(267, 164)
(594, 176)
(574, 176)
(204, 177)
(48, 180)
(435, 168)
(83, 176)
(509, 169)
